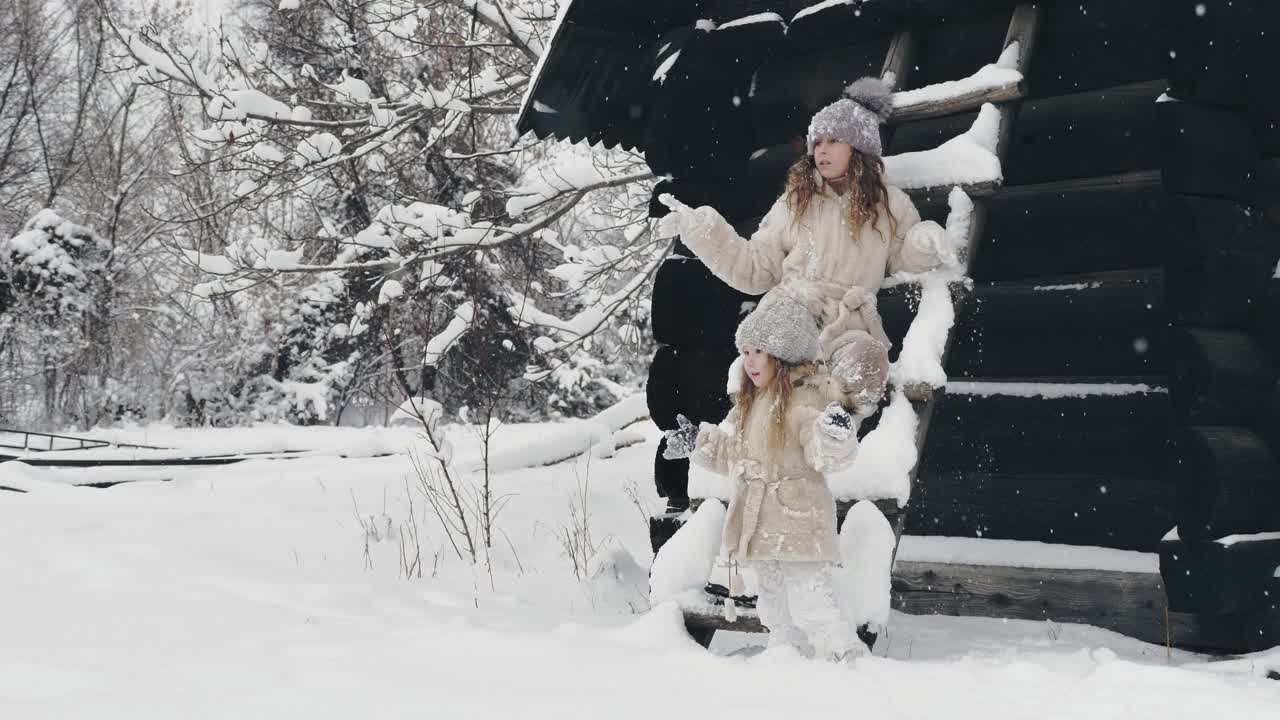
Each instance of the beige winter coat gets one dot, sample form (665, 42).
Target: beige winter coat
(781, 507)
(818, 255)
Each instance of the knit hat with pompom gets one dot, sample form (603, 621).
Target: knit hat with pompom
(855, 119)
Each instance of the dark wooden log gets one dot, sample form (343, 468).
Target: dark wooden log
(694, 309)
(1218, 377)
(899, 62)
(1095, 325)
(1218, 268)
(1227, 482)
(1129, 603)
(1094, 44)
(1265, 324)
(1129, 512)
(661, 529)
(1101, 132)
(928, 133)
(1264, 188)
(1210, 51)
(712, 619)
(689, 382)
(1214, 578)
(1115, 222)
(1206, 150)
(978, 429)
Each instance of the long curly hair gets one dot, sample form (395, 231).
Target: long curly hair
(864, 178)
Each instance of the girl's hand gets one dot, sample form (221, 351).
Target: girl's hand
(835, 422)
(681, 441)
(682, 220)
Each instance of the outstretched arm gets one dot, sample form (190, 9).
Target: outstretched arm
(750, 266)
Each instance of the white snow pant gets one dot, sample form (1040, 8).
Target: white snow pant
(797, 603)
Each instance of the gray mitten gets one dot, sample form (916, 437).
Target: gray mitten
(681, 441)
(835, 422)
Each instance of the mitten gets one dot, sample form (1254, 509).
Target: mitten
(682, 220)
(681, 441)
(835, 422)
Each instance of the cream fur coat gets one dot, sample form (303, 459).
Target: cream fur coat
(781, 507)
(817, 256)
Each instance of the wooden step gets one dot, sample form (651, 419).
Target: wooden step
(1130, 603)
(1116, 590)
(1058, 425)
(1099, 324)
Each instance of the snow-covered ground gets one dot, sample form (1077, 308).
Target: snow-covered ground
(274, 589)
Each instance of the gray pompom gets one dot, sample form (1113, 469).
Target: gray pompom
(873, 94)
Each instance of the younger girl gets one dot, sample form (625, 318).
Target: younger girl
(831, 237)
(788, 429)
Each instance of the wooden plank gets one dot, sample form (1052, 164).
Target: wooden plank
(1097, 324)
(1087, 134)
(713, 619)
(955, 105)
(1125, 511)
(1129, 603)
(897, 63)
(1007, 434)
(1113, 222)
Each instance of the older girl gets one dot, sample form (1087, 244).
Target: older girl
(831, 237)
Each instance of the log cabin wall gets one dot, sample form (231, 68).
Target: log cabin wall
(1219, 146)
(1114, 370)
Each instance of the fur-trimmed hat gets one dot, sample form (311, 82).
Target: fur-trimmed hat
(782, 326)
(856, 118)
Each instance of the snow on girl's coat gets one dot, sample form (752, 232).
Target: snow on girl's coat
(819, 255)
(781, 508)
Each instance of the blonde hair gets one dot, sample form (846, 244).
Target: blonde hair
(778, 391)
(864, 178)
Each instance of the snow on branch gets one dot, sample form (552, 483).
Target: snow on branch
(586, 322)
(579, 174)
(498, 18)
(440, 344)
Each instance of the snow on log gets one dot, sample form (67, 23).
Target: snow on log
(992, 83)
(866, 550)
(601, 435)
(683, 564)
(968, 159)
(885, 460)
